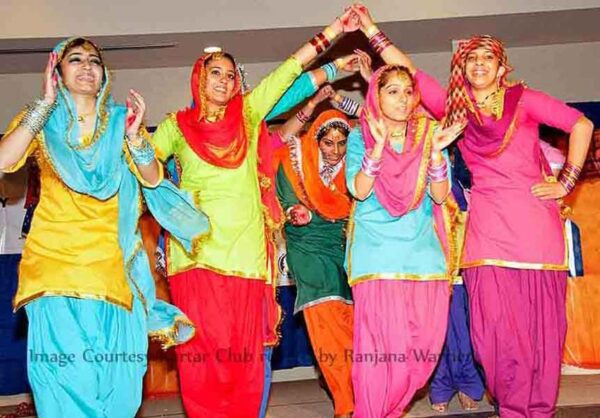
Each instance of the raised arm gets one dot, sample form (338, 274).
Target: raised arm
(295, 124)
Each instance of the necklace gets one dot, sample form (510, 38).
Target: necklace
(481, 104)
(81, 118)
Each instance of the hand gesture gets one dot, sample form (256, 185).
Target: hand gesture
(348, 63)
(364, 64)
(444, 137)
(50, 79)
(350, 20)
(548, 190)
(299, 215)
(326, 92)
(377, 128)
(136, 109)
(363, 15)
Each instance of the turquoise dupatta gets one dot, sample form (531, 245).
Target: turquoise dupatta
(101, 170)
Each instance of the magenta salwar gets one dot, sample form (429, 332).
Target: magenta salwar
(518, 327)
(399, 331)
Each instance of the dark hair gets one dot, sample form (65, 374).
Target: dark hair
(324, 130)
(385, 75)
(219, 55)
(74, 43)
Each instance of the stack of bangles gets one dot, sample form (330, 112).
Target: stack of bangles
(438, 173)
(377, 39)
(142, 154)
(370, 166)
(323, 40)
(568, 176)
(346, 105)
(37, 115)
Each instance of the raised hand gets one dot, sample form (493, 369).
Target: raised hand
(364, 64)
(326, 92)
(350, 20)
(377, 128)
(444, 137)
(136, 109)
(363, 15)
(50, 79)
(348, 63)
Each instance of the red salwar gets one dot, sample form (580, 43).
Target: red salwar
(221, 370)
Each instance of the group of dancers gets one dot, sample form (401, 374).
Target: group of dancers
(387, 258)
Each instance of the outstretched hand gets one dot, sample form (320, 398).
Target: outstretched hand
(50, 78)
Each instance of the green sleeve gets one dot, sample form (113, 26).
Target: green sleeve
(264, 96)
(167, 139)
(285, 192)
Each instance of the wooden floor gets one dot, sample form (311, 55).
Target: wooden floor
(579, 398)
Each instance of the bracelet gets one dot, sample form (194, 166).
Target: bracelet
(331, 70)
(142, 154)
(329, 34)
(371, 167)
(302, 116)
(379, 42)
(371, 31)
(37, 115)
(568, 176)
(347, 105)
(438, 173)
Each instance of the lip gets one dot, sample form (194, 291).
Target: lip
(220, 89)
(86, 78)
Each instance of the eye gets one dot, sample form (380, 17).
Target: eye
(392, 91)
(215, 71)
(409, 92)
(74, 59)
(343, 143)
(96, 61)
(231, 76)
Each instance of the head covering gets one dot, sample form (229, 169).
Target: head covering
(400, 186)
(101, 170)
(484, 136)
(301, 166)
(222, 143)
(459, 100)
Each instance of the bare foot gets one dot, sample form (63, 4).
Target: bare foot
(440, 407)
(466, 402)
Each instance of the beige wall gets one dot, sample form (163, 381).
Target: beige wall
(569, 72)
(60, 18)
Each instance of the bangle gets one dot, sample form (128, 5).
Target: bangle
(371, 31)
(37, 115)
(379, 42)
(568, 176)
(302, 116)
(346, 105)
(438, 173)
(142, 154)
(320, 42)
(331, 70)
(370, 166)
(329, 33)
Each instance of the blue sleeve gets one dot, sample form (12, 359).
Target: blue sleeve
(354, 156)
(302, 88)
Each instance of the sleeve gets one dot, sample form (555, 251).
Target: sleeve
(285, 192)
(554, 156)
(134, 168)
(30, 149)
(302, 88)
(547, 110)
(167, 138)
(264, 96)
(433, 94)
(355, 153)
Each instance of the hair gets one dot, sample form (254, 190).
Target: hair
(335, 125)
(219, 55)
(391, 70)
(86, 44)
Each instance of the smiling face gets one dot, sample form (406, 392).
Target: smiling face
(220, 81)
(397, 96)
(333, 145)
(483, 69)
(82, 69)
